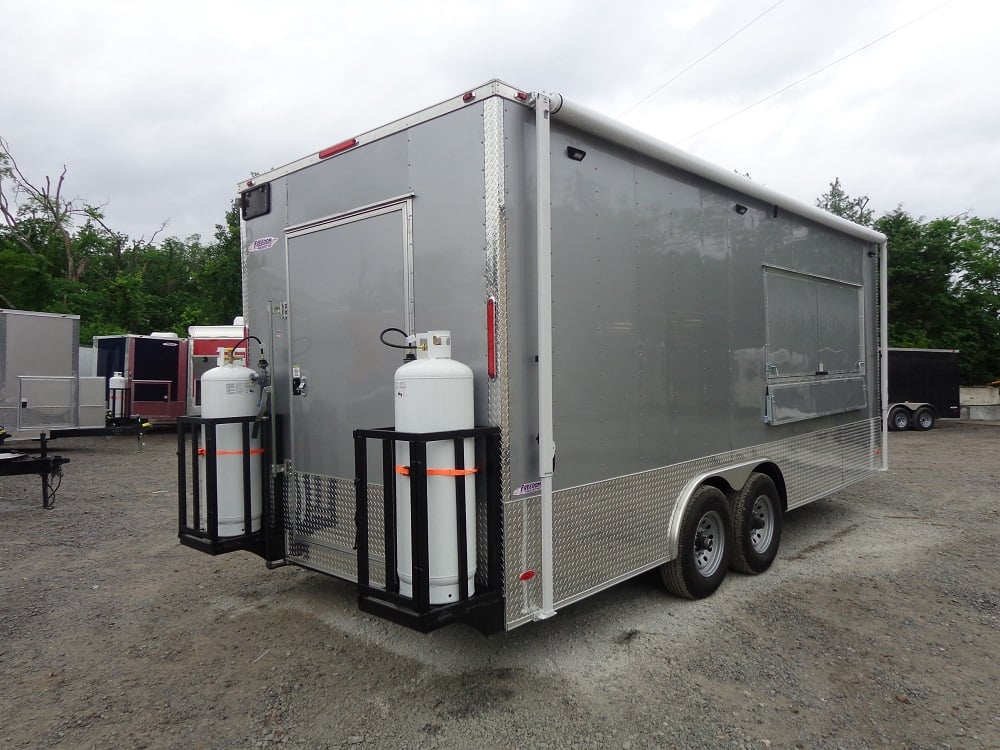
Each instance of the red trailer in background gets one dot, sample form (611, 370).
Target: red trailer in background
(155, 373)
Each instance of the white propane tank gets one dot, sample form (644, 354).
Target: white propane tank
(434, 393)
(117, 386)
(229, 390)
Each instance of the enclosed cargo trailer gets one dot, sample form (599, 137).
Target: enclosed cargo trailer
(924, 386)
(204, 345)
(41, 388)
(154, 369)
(665, 358)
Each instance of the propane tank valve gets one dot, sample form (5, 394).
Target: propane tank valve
(410, 346)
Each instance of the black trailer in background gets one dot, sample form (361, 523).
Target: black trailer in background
(923, 387)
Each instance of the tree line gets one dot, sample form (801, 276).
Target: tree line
(58, 254)
(943, 281)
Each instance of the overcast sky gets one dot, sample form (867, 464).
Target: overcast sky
(159, 109)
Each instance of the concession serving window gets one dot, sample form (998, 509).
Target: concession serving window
(815, 346)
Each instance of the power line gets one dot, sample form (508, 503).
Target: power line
(717, 47)
(816, 72)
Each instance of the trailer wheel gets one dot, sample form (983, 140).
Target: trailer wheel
(924, 419)
(899, 418)
(705, 546)
(757, 521)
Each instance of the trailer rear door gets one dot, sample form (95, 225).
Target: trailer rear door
(349, 279)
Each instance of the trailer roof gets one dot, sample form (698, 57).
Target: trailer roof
(597, 124)
(8, 311)
(592, 122)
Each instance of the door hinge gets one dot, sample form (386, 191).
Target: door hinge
(285, 467)
(280, 309)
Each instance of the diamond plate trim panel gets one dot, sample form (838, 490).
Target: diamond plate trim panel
(244, 271)
(495, 222)
(608, 531)
(498, 405)
(320, 526)
(45, 416)
(522, 520)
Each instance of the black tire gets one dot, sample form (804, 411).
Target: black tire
(705, 546)
(757, 522)
(899, 418)
(923, 419)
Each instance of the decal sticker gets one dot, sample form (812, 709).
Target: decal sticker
(528, 488)
(264, 243)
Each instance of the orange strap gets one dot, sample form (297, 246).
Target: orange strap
(405, 471)
(253, 452)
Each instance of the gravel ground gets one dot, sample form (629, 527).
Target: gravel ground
(876, 627)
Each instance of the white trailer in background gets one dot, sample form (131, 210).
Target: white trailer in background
(666, 357)
(204, 345)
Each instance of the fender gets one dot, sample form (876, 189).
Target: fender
(735, 476)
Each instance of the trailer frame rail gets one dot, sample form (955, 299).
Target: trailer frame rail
(17, 463)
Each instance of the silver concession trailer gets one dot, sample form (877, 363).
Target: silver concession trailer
(664, 358)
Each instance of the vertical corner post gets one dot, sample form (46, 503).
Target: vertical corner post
(546, 445)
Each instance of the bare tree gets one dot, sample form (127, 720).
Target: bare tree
(47, 201)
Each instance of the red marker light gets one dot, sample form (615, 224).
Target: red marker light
(249, 183)
(527, 575)
(522, 96)
(468, 96)
(338, 148)
(491, 338)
